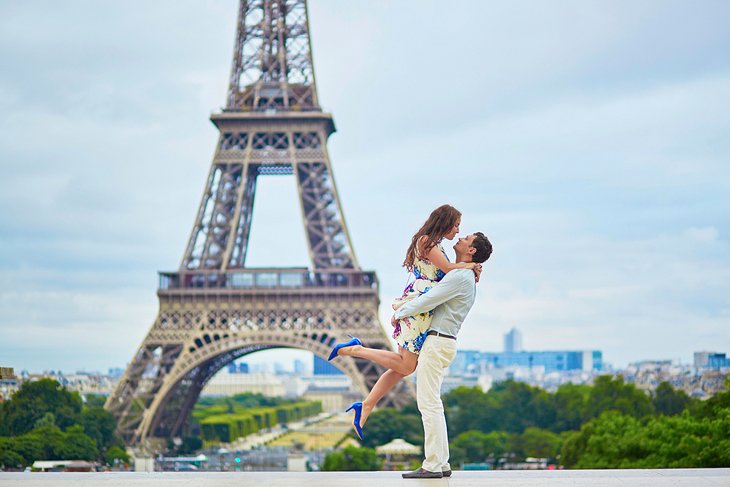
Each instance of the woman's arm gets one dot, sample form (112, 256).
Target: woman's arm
(450, 286)
(438, 259)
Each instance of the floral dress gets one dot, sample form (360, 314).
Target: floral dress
(411, 331)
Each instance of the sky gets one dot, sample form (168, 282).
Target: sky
(588, 140)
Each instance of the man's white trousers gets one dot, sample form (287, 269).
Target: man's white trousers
(436, 355)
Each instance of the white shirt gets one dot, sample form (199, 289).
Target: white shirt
(451, 299)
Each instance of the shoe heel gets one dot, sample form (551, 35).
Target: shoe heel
(357, 407)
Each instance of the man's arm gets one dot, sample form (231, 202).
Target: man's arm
(449, 287)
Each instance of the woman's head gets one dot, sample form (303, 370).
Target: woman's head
(443, 222)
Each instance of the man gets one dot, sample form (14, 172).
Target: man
(451, 299)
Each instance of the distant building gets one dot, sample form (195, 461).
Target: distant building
(294, 386)
(279, 368)
(7, 373)
(115, 372)
(82, 382)
(474, 362)
(238, 368)
(300, 368)
(702, 359)
(513, 341)
(8, 383)
(334, 391)
(322, 367)
(227, 384)
(711, 360)
(718, 361)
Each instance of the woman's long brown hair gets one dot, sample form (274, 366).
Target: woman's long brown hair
(439, 223)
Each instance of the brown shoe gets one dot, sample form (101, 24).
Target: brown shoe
(422, 474)
(446, 473)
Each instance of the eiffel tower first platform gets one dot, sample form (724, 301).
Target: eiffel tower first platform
(214, 309)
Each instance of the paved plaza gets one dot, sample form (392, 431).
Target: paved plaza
(560, 478)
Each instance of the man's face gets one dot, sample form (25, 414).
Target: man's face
(463, 245)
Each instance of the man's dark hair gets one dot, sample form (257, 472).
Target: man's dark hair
(483, 246)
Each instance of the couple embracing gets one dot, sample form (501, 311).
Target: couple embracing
(426, 323)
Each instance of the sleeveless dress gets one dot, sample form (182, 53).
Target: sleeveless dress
(410, 331)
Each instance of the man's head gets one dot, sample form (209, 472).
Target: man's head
(473, 248)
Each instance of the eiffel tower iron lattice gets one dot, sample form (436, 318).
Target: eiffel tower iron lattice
(214, 309)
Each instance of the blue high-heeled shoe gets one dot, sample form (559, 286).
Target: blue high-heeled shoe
(357, 406)
(354, 341)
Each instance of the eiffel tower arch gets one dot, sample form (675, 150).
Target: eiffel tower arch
(214, 309)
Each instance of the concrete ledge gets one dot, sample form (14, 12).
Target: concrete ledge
(561, 478)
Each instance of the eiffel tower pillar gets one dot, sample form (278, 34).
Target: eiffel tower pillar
(214, 309)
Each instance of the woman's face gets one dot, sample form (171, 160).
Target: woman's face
(454, 230)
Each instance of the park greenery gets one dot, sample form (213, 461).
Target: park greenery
(44, 421)
(228, 418)
(351, 459)
(611, 424)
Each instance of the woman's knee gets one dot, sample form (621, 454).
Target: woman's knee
(407, 368)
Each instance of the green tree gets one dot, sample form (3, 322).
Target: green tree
(10, 459)
(352, 459)
(114, 453)
(515, 405)
(46, 442)
(668, 401)
(32, 401)
(470, 447)
(470, 409)
(509, 406)
(49, 442)
(190, 444)
(99, 425)
(570, 406)
(48, 419)
(610, 394)
(540, 443)
(94, 401)
(714, 406)
(616, 440)
(387, 424)
(77, 445)
(476, 446)
(495, 444)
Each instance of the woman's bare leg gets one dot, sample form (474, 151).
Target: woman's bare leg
(403, 362)
(385, 383)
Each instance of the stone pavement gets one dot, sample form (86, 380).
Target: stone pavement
(504, 478)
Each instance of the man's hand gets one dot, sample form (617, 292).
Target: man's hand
(393, 321)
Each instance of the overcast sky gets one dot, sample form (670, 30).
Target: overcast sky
(588, 140)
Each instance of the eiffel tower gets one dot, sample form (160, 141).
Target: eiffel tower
(214, 309)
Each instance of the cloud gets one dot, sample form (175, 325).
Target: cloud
(587, 140)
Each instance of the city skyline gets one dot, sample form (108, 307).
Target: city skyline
(269, 360)
(587, 140)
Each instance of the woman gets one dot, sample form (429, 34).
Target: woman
(428, 262)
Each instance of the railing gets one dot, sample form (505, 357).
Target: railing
(268, 278)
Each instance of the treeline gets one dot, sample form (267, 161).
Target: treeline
(608, 425)
(697, 437)
(44, 421)
(225, 419)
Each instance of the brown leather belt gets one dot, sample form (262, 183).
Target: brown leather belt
(439, 334)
